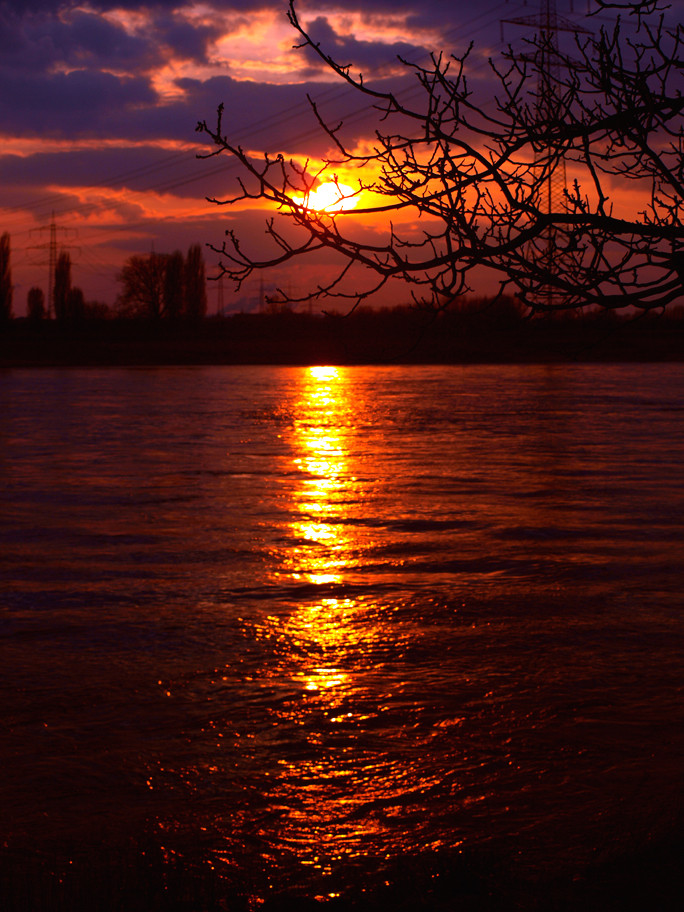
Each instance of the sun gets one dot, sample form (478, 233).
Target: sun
(329, 197)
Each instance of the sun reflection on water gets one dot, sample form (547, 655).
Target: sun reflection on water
(321, 538)
(323, 543)
(324, 721)
(327, 778)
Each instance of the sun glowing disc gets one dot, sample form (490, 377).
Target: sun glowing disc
(329, 197)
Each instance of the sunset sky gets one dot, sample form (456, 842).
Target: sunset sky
(99, 101)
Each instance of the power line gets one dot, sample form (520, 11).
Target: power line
(51, 247)
(548, 24)
(248, 135)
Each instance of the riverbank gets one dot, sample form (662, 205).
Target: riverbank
(399, 336)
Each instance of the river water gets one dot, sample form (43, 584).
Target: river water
(309, 625)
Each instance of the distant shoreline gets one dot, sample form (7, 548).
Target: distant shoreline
(399, 336)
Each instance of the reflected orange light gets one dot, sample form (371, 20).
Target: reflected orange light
(324, 640)
(324, 542)
(322, 459)
(324, 372)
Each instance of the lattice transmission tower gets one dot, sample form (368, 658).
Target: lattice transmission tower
(51, 247)
(551, 193)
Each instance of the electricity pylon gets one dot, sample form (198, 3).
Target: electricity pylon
(51, 247)
(551, 194)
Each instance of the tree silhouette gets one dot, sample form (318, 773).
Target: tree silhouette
(460, 182)
(195, 284)
(35, 304)
(164, 285)
(174, 289)
(142, 278)
(62, 285)
(75, 305)
(5, 279)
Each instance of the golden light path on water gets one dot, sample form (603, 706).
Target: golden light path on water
(322, 457)
(326, 629)
(321, 554)
(335, 771)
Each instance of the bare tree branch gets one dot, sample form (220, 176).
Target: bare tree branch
(567, 187)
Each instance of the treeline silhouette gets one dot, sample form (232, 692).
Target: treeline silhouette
(164, 285)
(473, 331)
(156, 286)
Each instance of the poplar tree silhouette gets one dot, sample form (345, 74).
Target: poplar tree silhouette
(195, 283)
(174, 286)
(6, 288)
(62, 286)
(75, 305)
(35, 304)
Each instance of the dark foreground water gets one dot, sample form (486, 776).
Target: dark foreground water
(298, 632)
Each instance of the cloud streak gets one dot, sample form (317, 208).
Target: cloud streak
(99, 101)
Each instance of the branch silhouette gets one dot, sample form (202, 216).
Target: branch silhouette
(460, 185)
